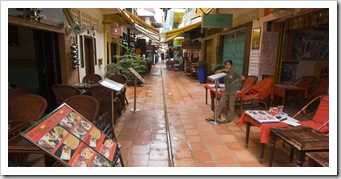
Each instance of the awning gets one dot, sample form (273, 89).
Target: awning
(140, 22)
(148, 33)
(170, 35)
(119, 18)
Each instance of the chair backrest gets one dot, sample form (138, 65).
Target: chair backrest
(62, 92)
(318, 89)
(120, 78)
(249, 82)
(86, 105)
(94, 78)
(304, 81)
(322, 112)
(263, 88)
(103, 95)
(27, 107)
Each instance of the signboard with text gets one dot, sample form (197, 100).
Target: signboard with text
(217, 21)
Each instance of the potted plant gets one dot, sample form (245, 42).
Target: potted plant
(129, 59)
(219, 67)
(202, 71)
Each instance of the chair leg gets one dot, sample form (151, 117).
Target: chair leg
(126, 100)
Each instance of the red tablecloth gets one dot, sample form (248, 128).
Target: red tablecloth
(264, 128)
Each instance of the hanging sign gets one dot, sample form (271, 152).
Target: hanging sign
(217, 21)
(178, 41)
(116, 31)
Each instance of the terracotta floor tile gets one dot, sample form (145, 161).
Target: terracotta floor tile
(157, 144)
(140, 149)
(245, 155)
(183, 162)
(182, 153)
(179, 143)
(235, 146)
(205, 164)
(194, 138)
(228, 138)
(202, 156)
(219, 150)
(198, 146)
(226, 161)
(138, 160)
(159, 163)
(157, 154)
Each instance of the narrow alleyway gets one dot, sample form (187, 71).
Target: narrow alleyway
(172, 97)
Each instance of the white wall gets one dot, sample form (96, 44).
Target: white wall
(98, 14)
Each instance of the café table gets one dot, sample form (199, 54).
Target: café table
(84, 87)
(318, 159)
(282, 89)
(302, 139)
(264, 130)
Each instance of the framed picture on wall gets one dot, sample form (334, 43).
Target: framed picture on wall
(256, 38)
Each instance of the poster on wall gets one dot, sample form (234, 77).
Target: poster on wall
(256, 38)
(268, 53)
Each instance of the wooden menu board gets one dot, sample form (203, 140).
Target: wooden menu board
(72, 139)
(136, 74)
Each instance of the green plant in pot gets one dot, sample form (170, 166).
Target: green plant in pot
(202, 71)
(111, 69)
(131, 59)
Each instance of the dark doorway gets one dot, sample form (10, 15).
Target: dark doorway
(113, 53)
(89, 55)
(48, 63)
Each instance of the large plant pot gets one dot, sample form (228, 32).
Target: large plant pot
(202, 74)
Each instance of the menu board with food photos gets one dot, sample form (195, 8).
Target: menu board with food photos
(72, 139)
(262, 116)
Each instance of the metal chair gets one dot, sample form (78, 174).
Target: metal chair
(27, 107)
(91, 78)
(62, 92)
(87, 106)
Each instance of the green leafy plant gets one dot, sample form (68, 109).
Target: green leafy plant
(202, 63)
(130, 59)
(218, 67)
(111, 69)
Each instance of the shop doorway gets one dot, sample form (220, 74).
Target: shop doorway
(233, 49)
(89, 55)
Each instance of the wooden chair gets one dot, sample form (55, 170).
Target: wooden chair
(249, 82)
(103, 95)
(62, 92)
(92, 78)
(87, 106)
(27, 107)
(120, 78)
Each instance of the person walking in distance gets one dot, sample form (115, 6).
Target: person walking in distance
(231, 87)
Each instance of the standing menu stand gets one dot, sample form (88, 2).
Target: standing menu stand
(137, 76)
(73, 140)
(215, 78)
(114, 86)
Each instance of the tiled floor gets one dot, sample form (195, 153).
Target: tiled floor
(170, 97)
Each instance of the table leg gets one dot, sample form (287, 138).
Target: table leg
(247, 135)
(291, 153)
(261, 156)
(272, 148)
(299, 158)
(212, 104)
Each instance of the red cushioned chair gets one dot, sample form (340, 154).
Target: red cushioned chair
(321, 118)
(258, 93)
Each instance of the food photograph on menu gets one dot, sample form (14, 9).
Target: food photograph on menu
(72, 139)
